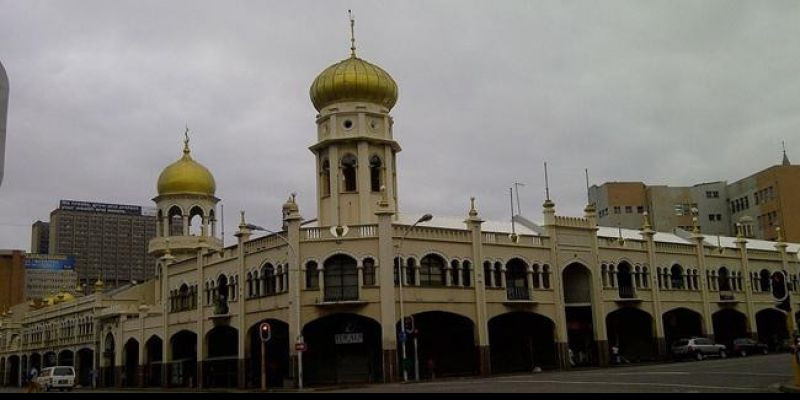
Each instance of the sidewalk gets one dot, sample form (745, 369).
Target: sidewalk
(789, 387)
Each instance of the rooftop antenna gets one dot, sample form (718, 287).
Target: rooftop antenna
(186, 140)
(517, 185)
(513, 225)
(546, 183)
(352, 33)
(588, 195)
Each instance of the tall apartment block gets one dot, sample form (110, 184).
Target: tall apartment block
(107, 241)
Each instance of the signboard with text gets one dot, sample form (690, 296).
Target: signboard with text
(87, 206)
(49, 262)
(349, 338)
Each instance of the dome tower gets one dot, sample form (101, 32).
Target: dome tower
(355, 150)
(186, 208)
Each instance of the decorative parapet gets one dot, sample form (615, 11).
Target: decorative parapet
(573, 222)
(433, 233)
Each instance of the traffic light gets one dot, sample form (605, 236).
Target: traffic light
(780, 291)
(265, 332)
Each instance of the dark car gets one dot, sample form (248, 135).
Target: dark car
(745, 347)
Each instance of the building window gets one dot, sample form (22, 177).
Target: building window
(341, 279)
(617, 210)
(369, 272)
(432, 271)
(640, 209)
(375, 170)
(312, 276)
(628, 210)
(466, 278)
(326, 177)
(349, 172)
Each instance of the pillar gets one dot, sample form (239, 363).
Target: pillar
(474, 223)
(388, 304)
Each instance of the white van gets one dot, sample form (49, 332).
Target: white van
(60, 378)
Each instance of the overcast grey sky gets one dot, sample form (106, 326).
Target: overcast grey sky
(673, 91)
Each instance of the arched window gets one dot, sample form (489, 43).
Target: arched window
(724, 280)
(160, 224)
(765, 281)
(375, 172)
(546, 277)
(537, 277)
(279, 279)
(638, 276)
(466, 278)
(411, 272)
(397, 271)
(369, 272)
(432, 271)
(175, 221)
(625, 281)
(676, 277)
(249, 284)
(196, 221)
(183, 295)
(487, 274)
(517, 280)
(349, 173)
(603, 274)
(341, 279)
(268, 276)
(498, 274)
(312, 275)
(645, 278)
(325, 177)
(455, 273)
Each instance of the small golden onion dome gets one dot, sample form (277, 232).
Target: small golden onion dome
(353, 79)
(186, 176)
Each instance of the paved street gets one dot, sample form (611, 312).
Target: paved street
(754, 374)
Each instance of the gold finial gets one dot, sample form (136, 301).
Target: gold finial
(186, 150)
(646, 226)
(352, 33)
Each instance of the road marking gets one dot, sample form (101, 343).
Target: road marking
(666, 385)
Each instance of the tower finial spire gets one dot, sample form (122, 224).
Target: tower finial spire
(785, 157)
(186, 140)
(352, 33)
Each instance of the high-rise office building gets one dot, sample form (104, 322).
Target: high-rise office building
(3, 113)
(40, 238)
(108, 241)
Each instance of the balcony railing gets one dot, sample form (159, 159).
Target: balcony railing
(518, 293)
(627, 292)
(340, 294)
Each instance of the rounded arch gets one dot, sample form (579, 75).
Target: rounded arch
(130, 363)
(341, 278)
(724, 277)
(221, 364)
(197, 220)
(681, 323)
(521, 342)
(343, 348)
(183, 365)
(432, 270)
(375, 173)
(278, 366)
(765, 280)
(349, 168)
(729, 325)
(772, 328)
(445, 344)
(66, 358)
(153, 360)
(175, 221)
(517, 286)
(631, 331)
(677, 276)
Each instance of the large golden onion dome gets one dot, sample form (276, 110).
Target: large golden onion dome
(353, 79)
(186, 176)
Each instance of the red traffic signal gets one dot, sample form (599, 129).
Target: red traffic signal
(265, 332)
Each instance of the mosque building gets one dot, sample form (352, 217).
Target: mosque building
(477, 297)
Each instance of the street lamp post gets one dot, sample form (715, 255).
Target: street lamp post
(300, 338)
(401, 275)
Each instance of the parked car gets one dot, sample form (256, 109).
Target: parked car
(744, 347)
(61, 378)
(698, 348)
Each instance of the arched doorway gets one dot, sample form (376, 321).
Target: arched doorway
(277, 355)
(85, 358)
(130, 364)
(682, 323)
(35, 361)
(580, 323)
(729, 325)
(183, 366)
(109, 360)
(631, 331)
(66, 358)
(154, 359)
(221, 366)
(445, 343)
(220, 300)
(343, 348)
(341, 279)
(13, 371)
(772, 329)
(49, 359)
(522, 341)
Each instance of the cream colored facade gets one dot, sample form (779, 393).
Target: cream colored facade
(483, 299)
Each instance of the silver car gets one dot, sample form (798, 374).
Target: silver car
(698, 348)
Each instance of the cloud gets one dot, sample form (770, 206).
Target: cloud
(671, 92)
